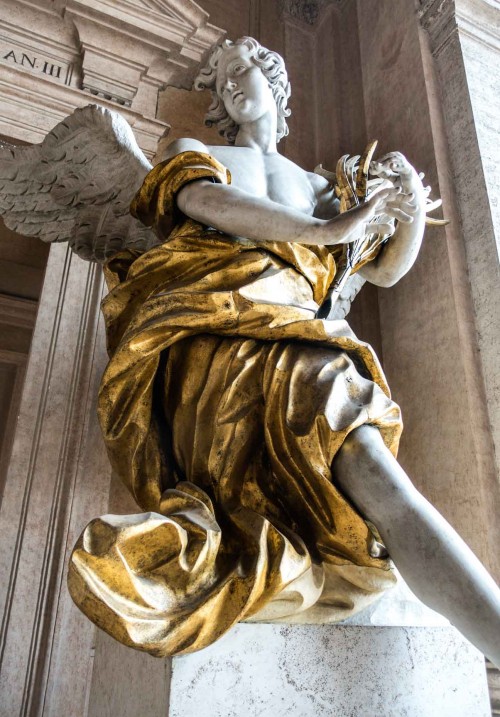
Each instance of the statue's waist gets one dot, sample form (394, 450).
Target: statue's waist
(282, 286)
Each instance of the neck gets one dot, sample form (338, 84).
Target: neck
(260, 134)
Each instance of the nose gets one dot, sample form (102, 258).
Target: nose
(229, 84)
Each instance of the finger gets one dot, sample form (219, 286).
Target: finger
(390, 156)
(399, 215)
(407, 199)
(396, 163)
(385, 193)
(386, 200)
(406, 207)
(379, 170)
(378, 228)
(378, 206)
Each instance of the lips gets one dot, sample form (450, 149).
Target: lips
(237, 95)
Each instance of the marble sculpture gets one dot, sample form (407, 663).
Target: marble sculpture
(255, 431)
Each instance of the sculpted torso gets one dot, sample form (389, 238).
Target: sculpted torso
(271, 176)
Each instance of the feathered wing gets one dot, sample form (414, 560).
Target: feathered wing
(351, 289)
(77, 185)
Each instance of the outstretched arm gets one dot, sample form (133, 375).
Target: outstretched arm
(236, 212)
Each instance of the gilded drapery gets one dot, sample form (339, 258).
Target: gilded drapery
(222, 408)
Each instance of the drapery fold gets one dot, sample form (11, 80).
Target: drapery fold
(222, 408)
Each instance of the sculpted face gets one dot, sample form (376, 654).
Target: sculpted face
(242, 86)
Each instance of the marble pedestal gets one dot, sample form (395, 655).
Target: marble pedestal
(360, 668)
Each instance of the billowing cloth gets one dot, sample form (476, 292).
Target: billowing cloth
(222, 408)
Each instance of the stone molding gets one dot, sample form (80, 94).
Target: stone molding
(13, 363)
(478, 19)
(18, 312)
(165, 41)
(493, 675)
(59, 476)
(438, 18)
(46, 459)
(38, 41)
(462, 40)
(32, 106)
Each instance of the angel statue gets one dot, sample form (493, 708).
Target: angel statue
(255, 431)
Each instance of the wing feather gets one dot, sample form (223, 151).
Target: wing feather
(77, 185)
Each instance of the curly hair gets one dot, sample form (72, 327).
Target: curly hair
(272, 67)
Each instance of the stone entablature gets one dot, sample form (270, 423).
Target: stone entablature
(165, 42)
(478, 19)
(59, 56)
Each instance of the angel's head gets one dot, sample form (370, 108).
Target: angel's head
(245, 79)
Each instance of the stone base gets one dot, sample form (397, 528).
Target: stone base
(335, 671)
(356, 669)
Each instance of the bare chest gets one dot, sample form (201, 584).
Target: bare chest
(271, 176)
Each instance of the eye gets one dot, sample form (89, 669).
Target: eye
(239, 69)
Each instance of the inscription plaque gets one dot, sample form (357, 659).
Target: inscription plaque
(34, 60)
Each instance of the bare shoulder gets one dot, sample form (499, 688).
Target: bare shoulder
(185, 144)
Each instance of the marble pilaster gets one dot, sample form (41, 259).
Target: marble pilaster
(464, 38)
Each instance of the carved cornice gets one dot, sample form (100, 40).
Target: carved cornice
(478, 19)
(57, 56)
(165, 41)
(32, 106)
(438, 18)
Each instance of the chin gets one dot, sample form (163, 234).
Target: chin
(246, 115)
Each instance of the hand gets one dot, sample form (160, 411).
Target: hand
(385, 204)
(374, 216)
(395, 168)
(406, 207)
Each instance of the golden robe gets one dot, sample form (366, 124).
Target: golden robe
(222, 408)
